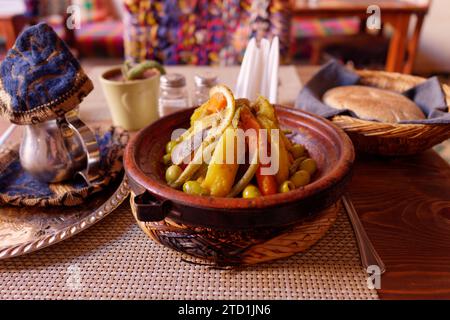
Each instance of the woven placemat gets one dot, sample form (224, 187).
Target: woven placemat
(115, 260)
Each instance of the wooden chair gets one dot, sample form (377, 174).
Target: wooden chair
(397, 14)
(10, 27)
(362, 42)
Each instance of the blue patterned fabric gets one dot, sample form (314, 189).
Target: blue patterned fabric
(40, 78)
(17, 187)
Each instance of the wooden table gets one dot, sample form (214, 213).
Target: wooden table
(404, 204)
(397, 13)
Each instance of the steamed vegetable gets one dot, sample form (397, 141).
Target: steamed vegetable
(216, 102)
(251, 192)
(301, 178)
(194, 188)
(266, 183)
(215, 134)
(279, 151)
(169, 146)
(295, 165)
(172, 173)
(246, 178)
(199, 113)
(221, 174)
(265, 110)
(212, 159)
(287, 186)
(267, 118)
(309, 165)
(297, 150)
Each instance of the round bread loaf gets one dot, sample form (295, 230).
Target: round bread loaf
(370, 103)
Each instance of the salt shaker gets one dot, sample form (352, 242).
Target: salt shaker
(203, 83)
(173, 94)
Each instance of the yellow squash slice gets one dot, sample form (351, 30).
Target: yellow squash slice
(222, 173)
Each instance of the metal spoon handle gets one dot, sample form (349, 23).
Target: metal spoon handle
(4, 137)
(369, 255)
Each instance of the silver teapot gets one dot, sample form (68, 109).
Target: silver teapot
(57, 150)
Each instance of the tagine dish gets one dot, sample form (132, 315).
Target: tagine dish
(236, 148)
(214, 180)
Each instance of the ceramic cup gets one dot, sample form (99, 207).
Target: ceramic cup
(133, 104)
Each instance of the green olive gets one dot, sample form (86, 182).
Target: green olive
(250, 192)
(172, 173)
(297, 150)
(301, 178)
(167, 159)
(194, 188)
(286, 186)
(169, 146)
(309, 165)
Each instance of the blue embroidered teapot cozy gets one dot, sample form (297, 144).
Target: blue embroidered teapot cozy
(40, 79)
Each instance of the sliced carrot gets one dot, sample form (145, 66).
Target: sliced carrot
(217, 102)
(249, 120)
(267, 183)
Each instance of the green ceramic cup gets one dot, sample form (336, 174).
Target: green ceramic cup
(133, 104)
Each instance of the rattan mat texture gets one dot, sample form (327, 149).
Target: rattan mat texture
(114, 259)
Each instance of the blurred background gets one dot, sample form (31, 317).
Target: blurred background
(216, 32)
(407, 36)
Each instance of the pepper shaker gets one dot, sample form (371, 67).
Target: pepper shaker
(173, 94)
(203, 83)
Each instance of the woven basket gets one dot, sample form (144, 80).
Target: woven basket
(244, 247)
(392, 139)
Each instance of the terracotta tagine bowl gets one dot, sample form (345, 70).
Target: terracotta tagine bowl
(155, 201)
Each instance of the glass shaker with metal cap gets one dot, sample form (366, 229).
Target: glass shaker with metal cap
(203, 82)
(173, 94)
